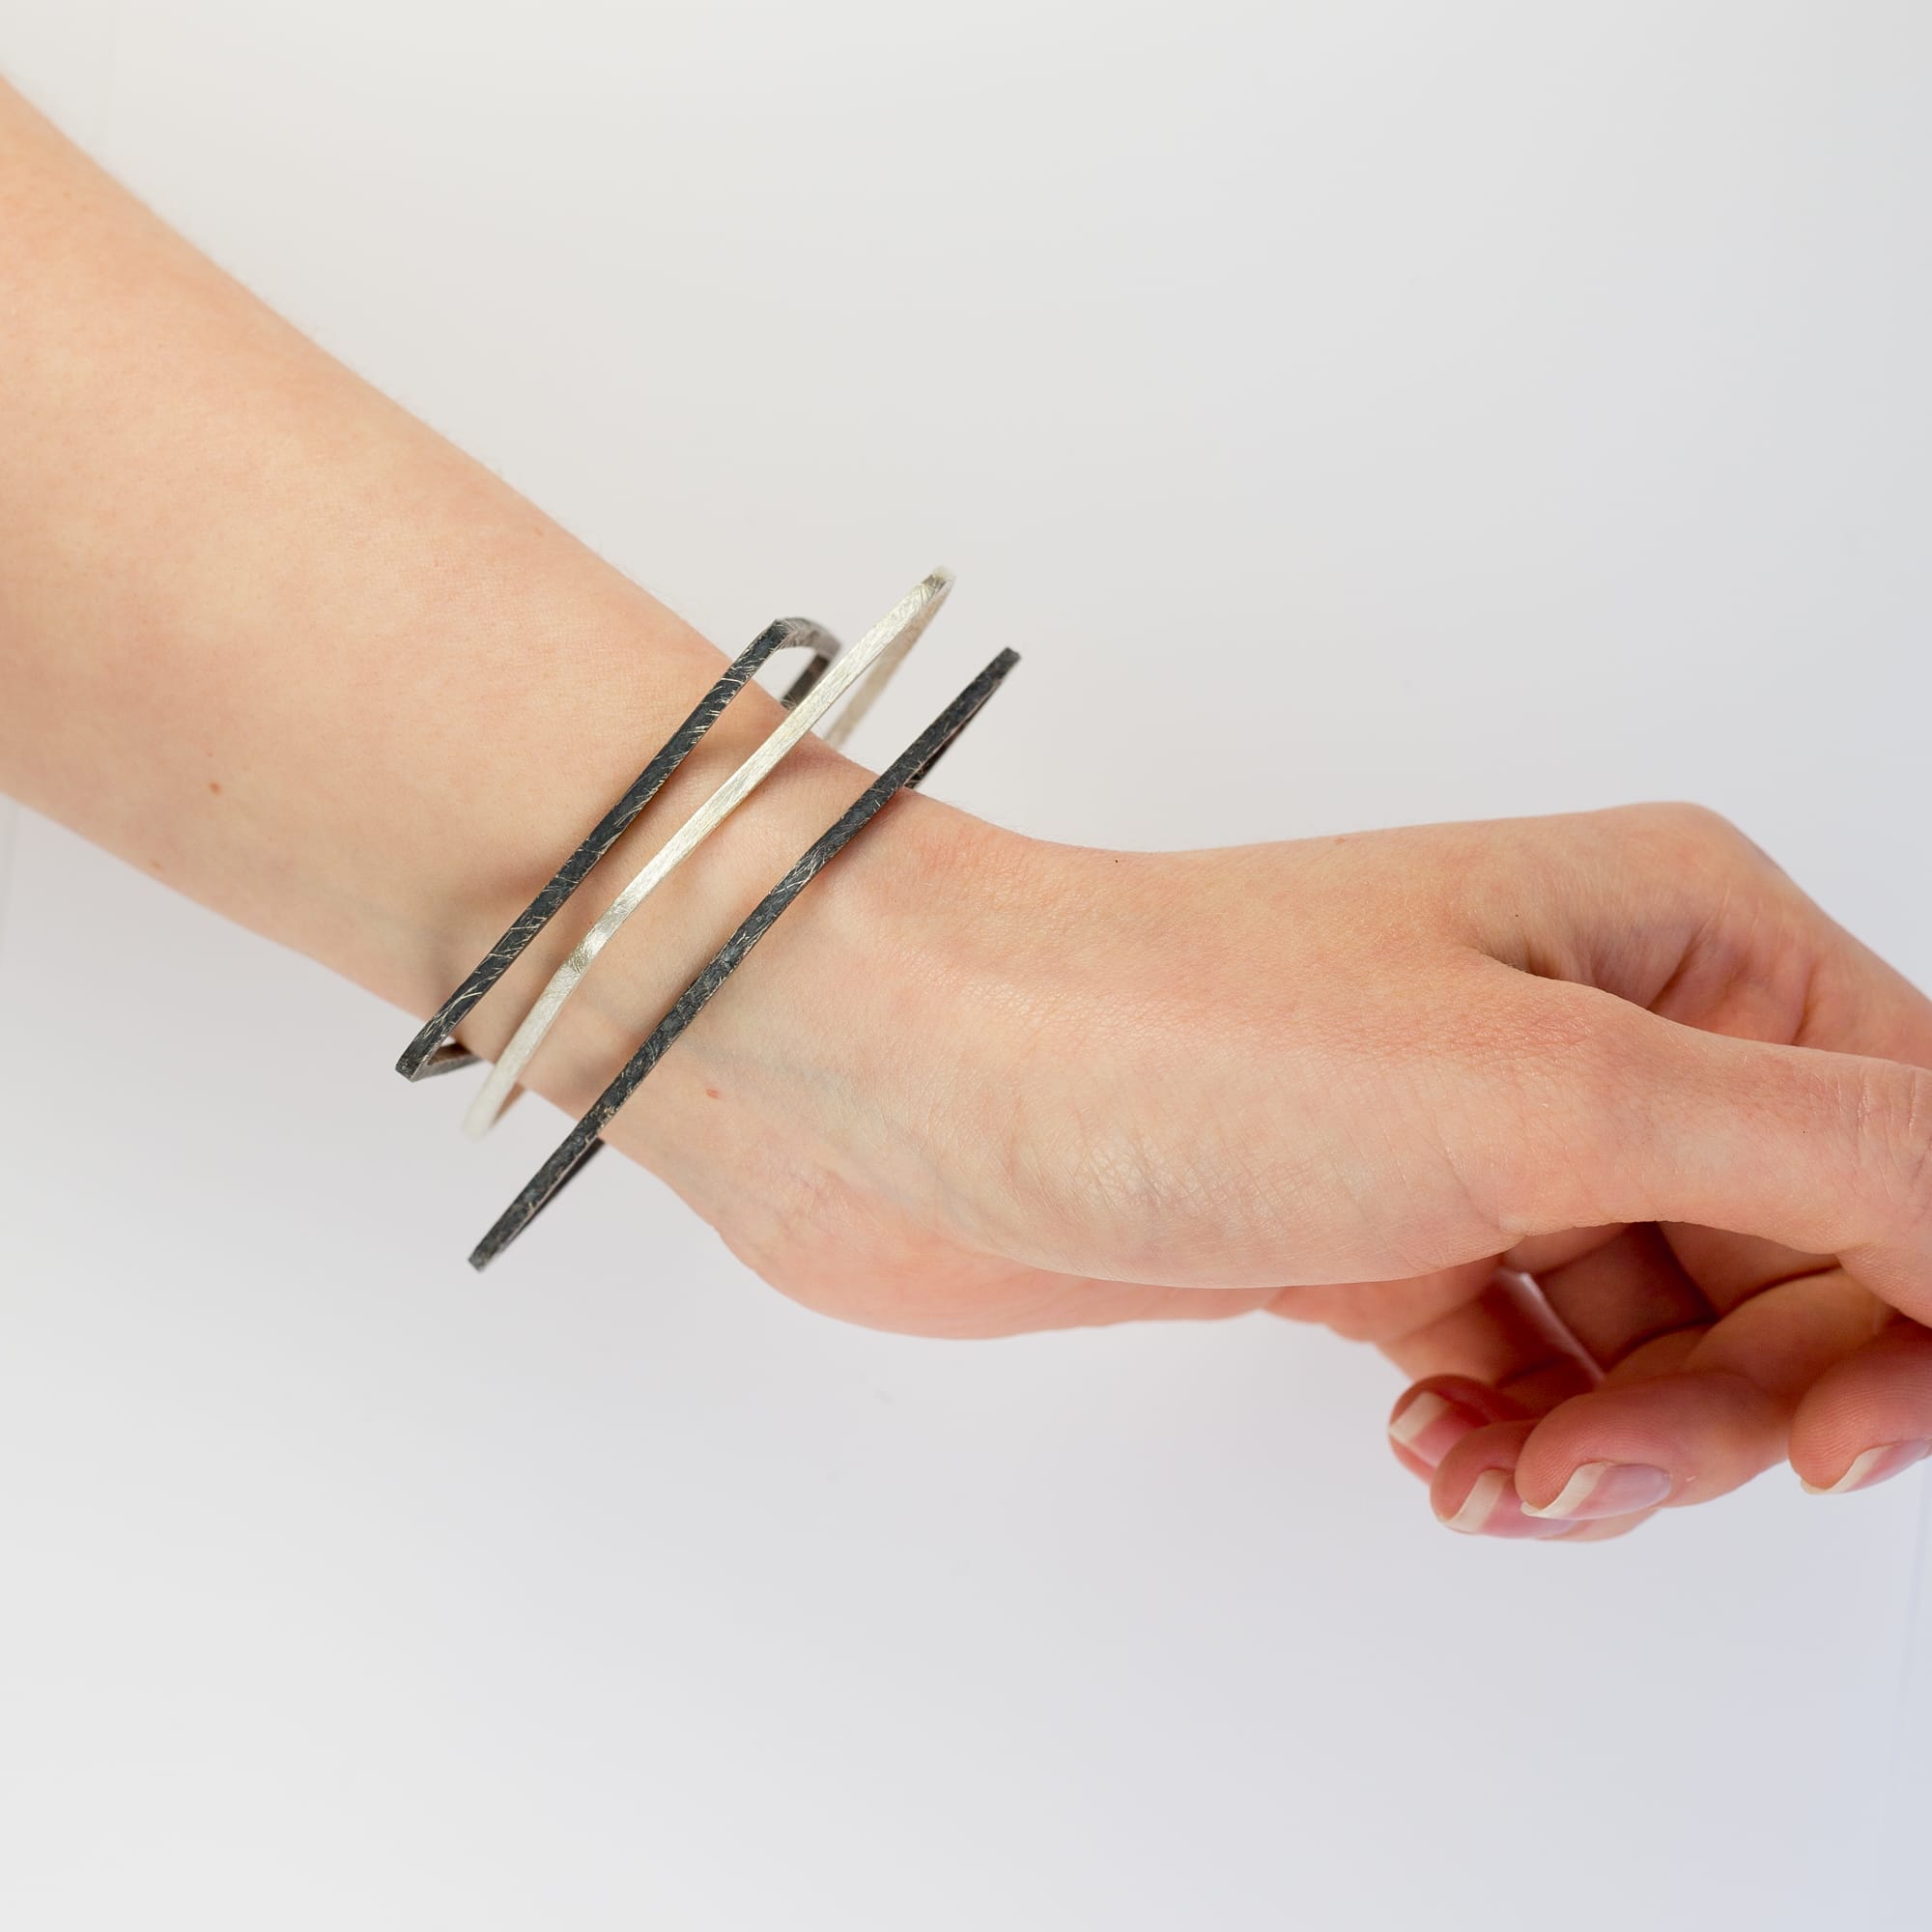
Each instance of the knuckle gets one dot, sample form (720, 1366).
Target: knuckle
(1721, 892)
(1696, 833)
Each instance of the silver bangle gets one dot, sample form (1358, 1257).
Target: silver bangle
(879, 652)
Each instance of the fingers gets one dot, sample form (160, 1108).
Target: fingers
(1474, 1490)
(1869, 1416)
(1776, 1091)
(1682, 1416)
(1639, 1119)
(1431, 1416)
(1498, 1357)
(1487, 1370)
(1733, 1334)
(1683, 1438)
(1717, 1415)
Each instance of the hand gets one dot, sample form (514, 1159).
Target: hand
(1479, 1095)
(1596, 1124)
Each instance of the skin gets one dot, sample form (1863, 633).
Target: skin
(1596, 1126)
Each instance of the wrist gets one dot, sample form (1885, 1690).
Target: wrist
(833, 1057)
(873, 901)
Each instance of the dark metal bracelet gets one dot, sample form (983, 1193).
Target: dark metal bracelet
(433, 1050)
(583, 1141)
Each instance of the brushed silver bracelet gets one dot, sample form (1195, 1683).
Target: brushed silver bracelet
(874, 658)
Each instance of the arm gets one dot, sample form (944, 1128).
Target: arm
(269, 637)
(1476, 1093)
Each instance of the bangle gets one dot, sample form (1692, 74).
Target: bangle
(908, 770)
(433, 1050)
(879, 653)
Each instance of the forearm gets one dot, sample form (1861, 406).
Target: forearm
(270, 638)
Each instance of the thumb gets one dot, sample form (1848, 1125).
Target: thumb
(1823, 1152)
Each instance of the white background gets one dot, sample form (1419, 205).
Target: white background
(1499, 409)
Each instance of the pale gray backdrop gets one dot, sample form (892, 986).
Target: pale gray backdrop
(1518, 408)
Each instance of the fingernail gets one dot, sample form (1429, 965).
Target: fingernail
(1874, 1465)
(1492, 1508)
(1605, 1489)
(1429, 1424)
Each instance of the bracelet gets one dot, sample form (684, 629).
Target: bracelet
(879, 652)
(433, 1050)
(908, 771)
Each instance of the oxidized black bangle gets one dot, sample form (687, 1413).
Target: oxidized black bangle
(583, 1141)
(433, 1050)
